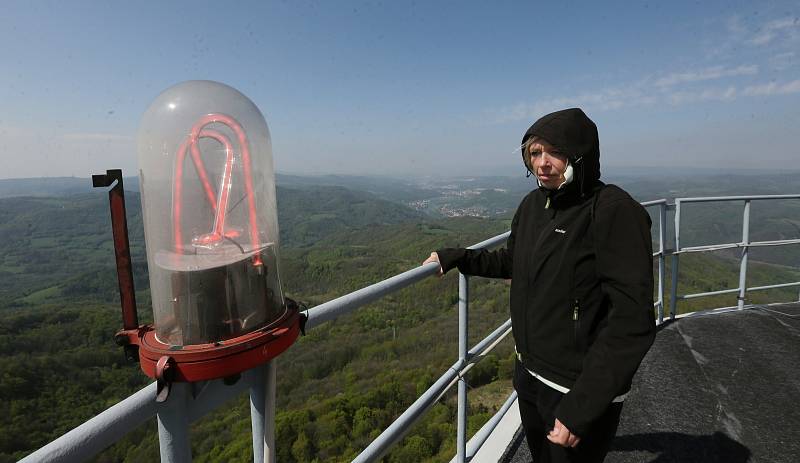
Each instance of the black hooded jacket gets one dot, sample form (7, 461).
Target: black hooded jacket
(581, 277)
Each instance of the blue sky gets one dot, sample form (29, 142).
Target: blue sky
(399, 88)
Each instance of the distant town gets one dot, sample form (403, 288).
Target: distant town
(454, 200)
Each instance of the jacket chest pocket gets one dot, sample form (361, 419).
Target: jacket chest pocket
(580, 343)
(576, 262)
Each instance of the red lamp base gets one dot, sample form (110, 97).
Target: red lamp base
(200, 362)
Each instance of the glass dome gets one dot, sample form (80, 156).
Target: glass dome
(210, 218)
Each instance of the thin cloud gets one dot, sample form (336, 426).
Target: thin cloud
(773, 88)
(783, 61)
(743, 34)
(712, 73)
(13, 131)
(773, 29)
(609, 99)
(774, 43)
(709, 94)
(637, 96)
(97, 137)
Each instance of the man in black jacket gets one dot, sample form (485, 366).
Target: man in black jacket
(580, 261)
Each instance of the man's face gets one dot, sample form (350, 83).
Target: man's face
(547, 163)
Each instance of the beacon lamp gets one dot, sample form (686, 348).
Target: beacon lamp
(211, 230)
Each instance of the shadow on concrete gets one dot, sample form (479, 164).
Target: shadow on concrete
(517, 450)
(674, 447)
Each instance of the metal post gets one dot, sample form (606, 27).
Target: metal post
(662, 238)
(463, 306)
(673, 303)
(258, 387)
(271, 377)
(173, 425)
(745, 244)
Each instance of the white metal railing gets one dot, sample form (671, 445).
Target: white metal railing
(660, 254)
(745, 245)
(189, 402)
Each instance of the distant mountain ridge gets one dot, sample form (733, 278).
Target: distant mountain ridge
(51, 186)
(58, 186)
(64, 241)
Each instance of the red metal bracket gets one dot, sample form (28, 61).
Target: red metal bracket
(122, 252)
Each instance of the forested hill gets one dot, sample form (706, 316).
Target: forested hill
(45, 186)
(52, 247)
(60, 313)
(312, 213)
(339, 386)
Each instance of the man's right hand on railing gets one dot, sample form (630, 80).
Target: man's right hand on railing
(434, 258)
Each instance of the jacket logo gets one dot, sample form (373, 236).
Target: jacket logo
(558, 230)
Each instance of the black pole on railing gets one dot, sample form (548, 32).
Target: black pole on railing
(122, 252)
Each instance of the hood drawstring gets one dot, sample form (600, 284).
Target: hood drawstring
(580, 174)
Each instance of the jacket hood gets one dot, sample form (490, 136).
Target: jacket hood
(574, 134)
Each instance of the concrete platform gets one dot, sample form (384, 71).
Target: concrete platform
(719, 386)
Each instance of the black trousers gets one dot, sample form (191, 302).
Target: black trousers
(537, 404)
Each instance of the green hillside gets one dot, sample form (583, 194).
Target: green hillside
(308, 215)
(55, 247)
(381, 339)
(338, 387)
(44, 187)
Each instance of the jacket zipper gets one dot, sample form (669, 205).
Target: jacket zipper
(576, 323)
(529, 258)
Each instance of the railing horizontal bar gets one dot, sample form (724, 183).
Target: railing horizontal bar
(735, 198)
(95, 434)
(654, 202)
(710, 293)
(783, 285)
(717, 247)
(341, 305)
(774, 242)
(728, 309)
(491, 242)
(377, 448)
(495, 335)
(709, 247)
(483, 434)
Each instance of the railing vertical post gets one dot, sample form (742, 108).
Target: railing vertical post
(262, 411)
(746, 247)
(463, 308)
(257, 378)
(173, 425)
(673, 303)
(662, 238)
(271, 376)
